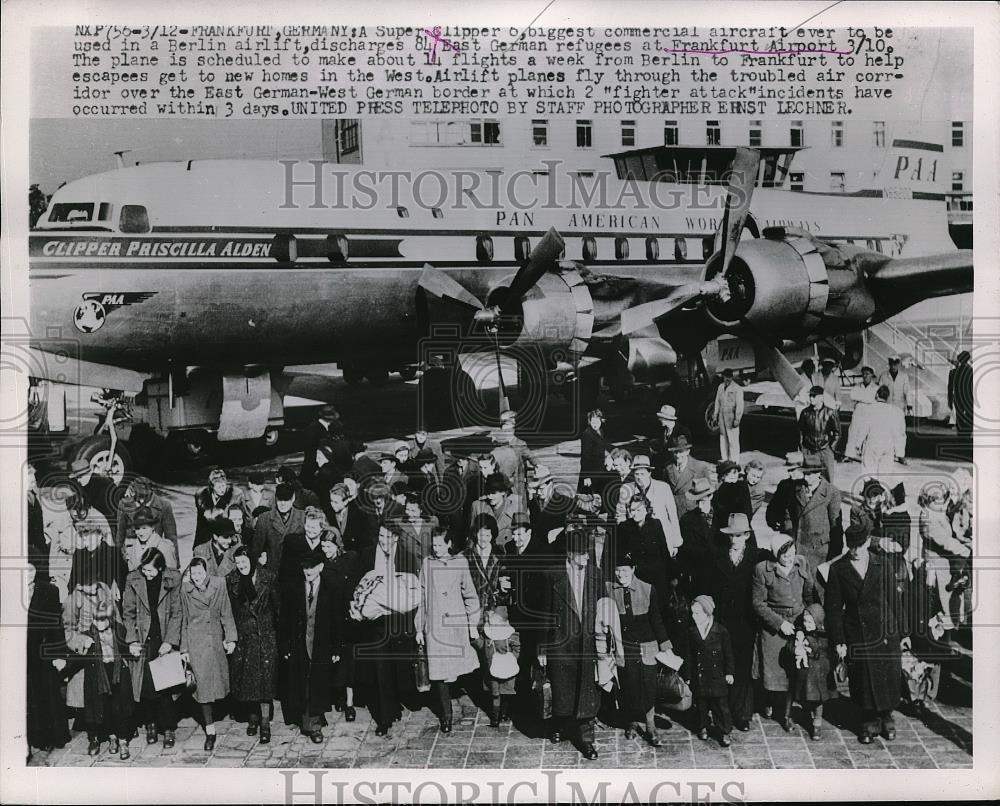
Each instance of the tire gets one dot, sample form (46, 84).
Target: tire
(95, 451)
(704, 424)
(352, 375)
(408, 373)
(271, 438)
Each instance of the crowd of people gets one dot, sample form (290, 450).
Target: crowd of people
(397, 580)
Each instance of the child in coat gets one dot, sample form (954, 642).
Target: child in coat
(502, 647)
(811, 683)
(713, 669)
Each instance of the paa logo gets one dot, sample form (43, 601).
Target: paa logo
(90, 314)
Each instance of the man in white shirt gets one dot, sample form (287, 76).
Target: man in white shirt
(900, 394)
(863, 397)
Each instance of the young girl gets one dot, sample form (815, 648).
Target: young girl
(502, 646)
(810, 686)
(713, 669)
(107, 684)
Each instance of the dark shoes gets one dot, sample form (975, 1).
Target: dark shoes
(865, 738)
(150, 734)
(814, 732)
(265, 734)
(168, 739)
(742, 725)
(113, 746)
(589, 752)
(209, 742)
(725, 741)
(316, 737)
(556, 736)
(653, 738)
(494, 720)
(446, 726)
(703, 734)
(252, 729)
(786, 724)
(93, 747)
(768, 710)
(888, 734)
(381, 730)
(349, 713)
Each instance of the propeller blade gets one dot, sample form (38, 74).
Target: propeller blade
(543, 257)
(642, 316)
(781, 368)
(438, 284)
(741, 185)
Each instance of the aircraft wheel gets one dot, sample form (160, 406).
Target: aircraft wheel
(408, 373)
(352, 375)
(97, 451)
(704, 421)
(272, 436)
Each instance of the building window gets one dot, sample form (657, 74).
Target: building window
(796, 181)
(485, 133)
(879, 133)
(957, 134)
(837, 133)
(797, 134)
(348, 133)
(628, 132)
(755, 134)
(670, 137)
(584, 134)
(539, 132)
(957, 181)
(713, 133)
(837, 181)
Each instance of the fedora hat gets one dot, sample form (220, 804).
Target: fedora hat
(425, 456)
(542, 475)
(79, 467)
(738, 524)
(680, 442)
(146, 517)
(667, 412)
(700, 488)
(641, 461)
(794, 459)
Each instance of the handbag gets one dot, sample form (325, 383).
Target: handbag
(503, 666)
(841, 679)
(672, 690)
(168, 671)
(421, 671)
(541, 692)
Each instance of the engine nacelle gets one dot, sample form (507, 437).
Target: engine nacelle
(773, 284)
(557, 315)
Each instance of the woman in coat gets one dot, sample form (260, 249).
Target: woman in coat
(208, 634)
(642, 634)
(732, 495)
(151, 612)
(89, 596)
(493, 586)
(447, 621)
(594, 448)
(342, 569)
(45, 657)
(253, 665)
(782, 589)
(643, 538)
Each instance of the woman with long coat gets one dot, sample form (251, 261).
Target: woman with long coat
(45, 657)
(594, 448)
(253, 665)
(782, 589)
(729, 580)
(447, 621)
(493, 585)
(208, 635)
(151, 612)
(342, 568)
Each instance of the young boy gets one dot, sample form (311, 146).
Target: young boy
(712, 669)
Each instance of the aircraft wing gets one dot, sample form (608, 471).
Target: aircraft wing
(63, 368)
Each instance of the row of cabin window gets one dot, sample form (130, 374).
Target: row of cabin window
(522, 248)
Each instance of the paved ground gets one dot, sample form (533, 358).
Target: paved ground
(942, 741)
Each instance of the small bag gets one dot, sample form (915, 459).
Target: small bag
(541, 692)
(841, 679)
(672, 690)
(503, 666)
(421, 671)
(168, 671)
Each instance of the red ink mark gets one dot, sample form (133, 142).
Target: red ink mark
(435, 34)
(757, 52)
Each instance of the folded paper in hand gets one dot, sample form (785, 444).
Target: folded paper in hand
(670, 659)
(167, 671)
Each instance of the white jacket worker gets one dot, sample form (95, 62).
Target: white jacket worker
(728, 411)
(882, 439)
(660, 497)
(863, 396)
(898, 382)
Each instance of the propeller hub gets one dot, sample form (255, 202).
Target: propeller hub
(736, 295)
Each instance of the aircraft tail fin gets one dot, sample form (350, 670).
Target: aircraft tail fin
(913, 169)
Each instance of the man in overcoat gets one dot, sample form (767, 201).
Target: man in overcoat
(867, 623)
(568, 649)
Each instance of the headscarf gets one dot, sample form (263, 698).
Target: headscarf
(819, 615)
(704, 622)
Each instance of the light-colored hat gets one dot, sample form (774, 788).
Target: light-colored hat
(794, 459)
(508, 416)
(641, 461)
(401, 446)
(700, 488)
(667, 412)
(542, 475)
(79, 467)
(738, 524)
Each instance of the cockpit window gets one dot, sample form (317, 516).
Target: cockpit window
(72, 213)
(134, 218)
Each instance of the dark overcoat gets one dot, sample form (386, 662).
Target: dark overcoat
(308, 679)
(46, 710)
(778, 598)
(712, 660)
(253, 664)
(869, 615)
(569, 644)
(593, 446)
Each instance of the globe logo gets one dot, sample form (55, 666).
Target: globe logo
(89, 316)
